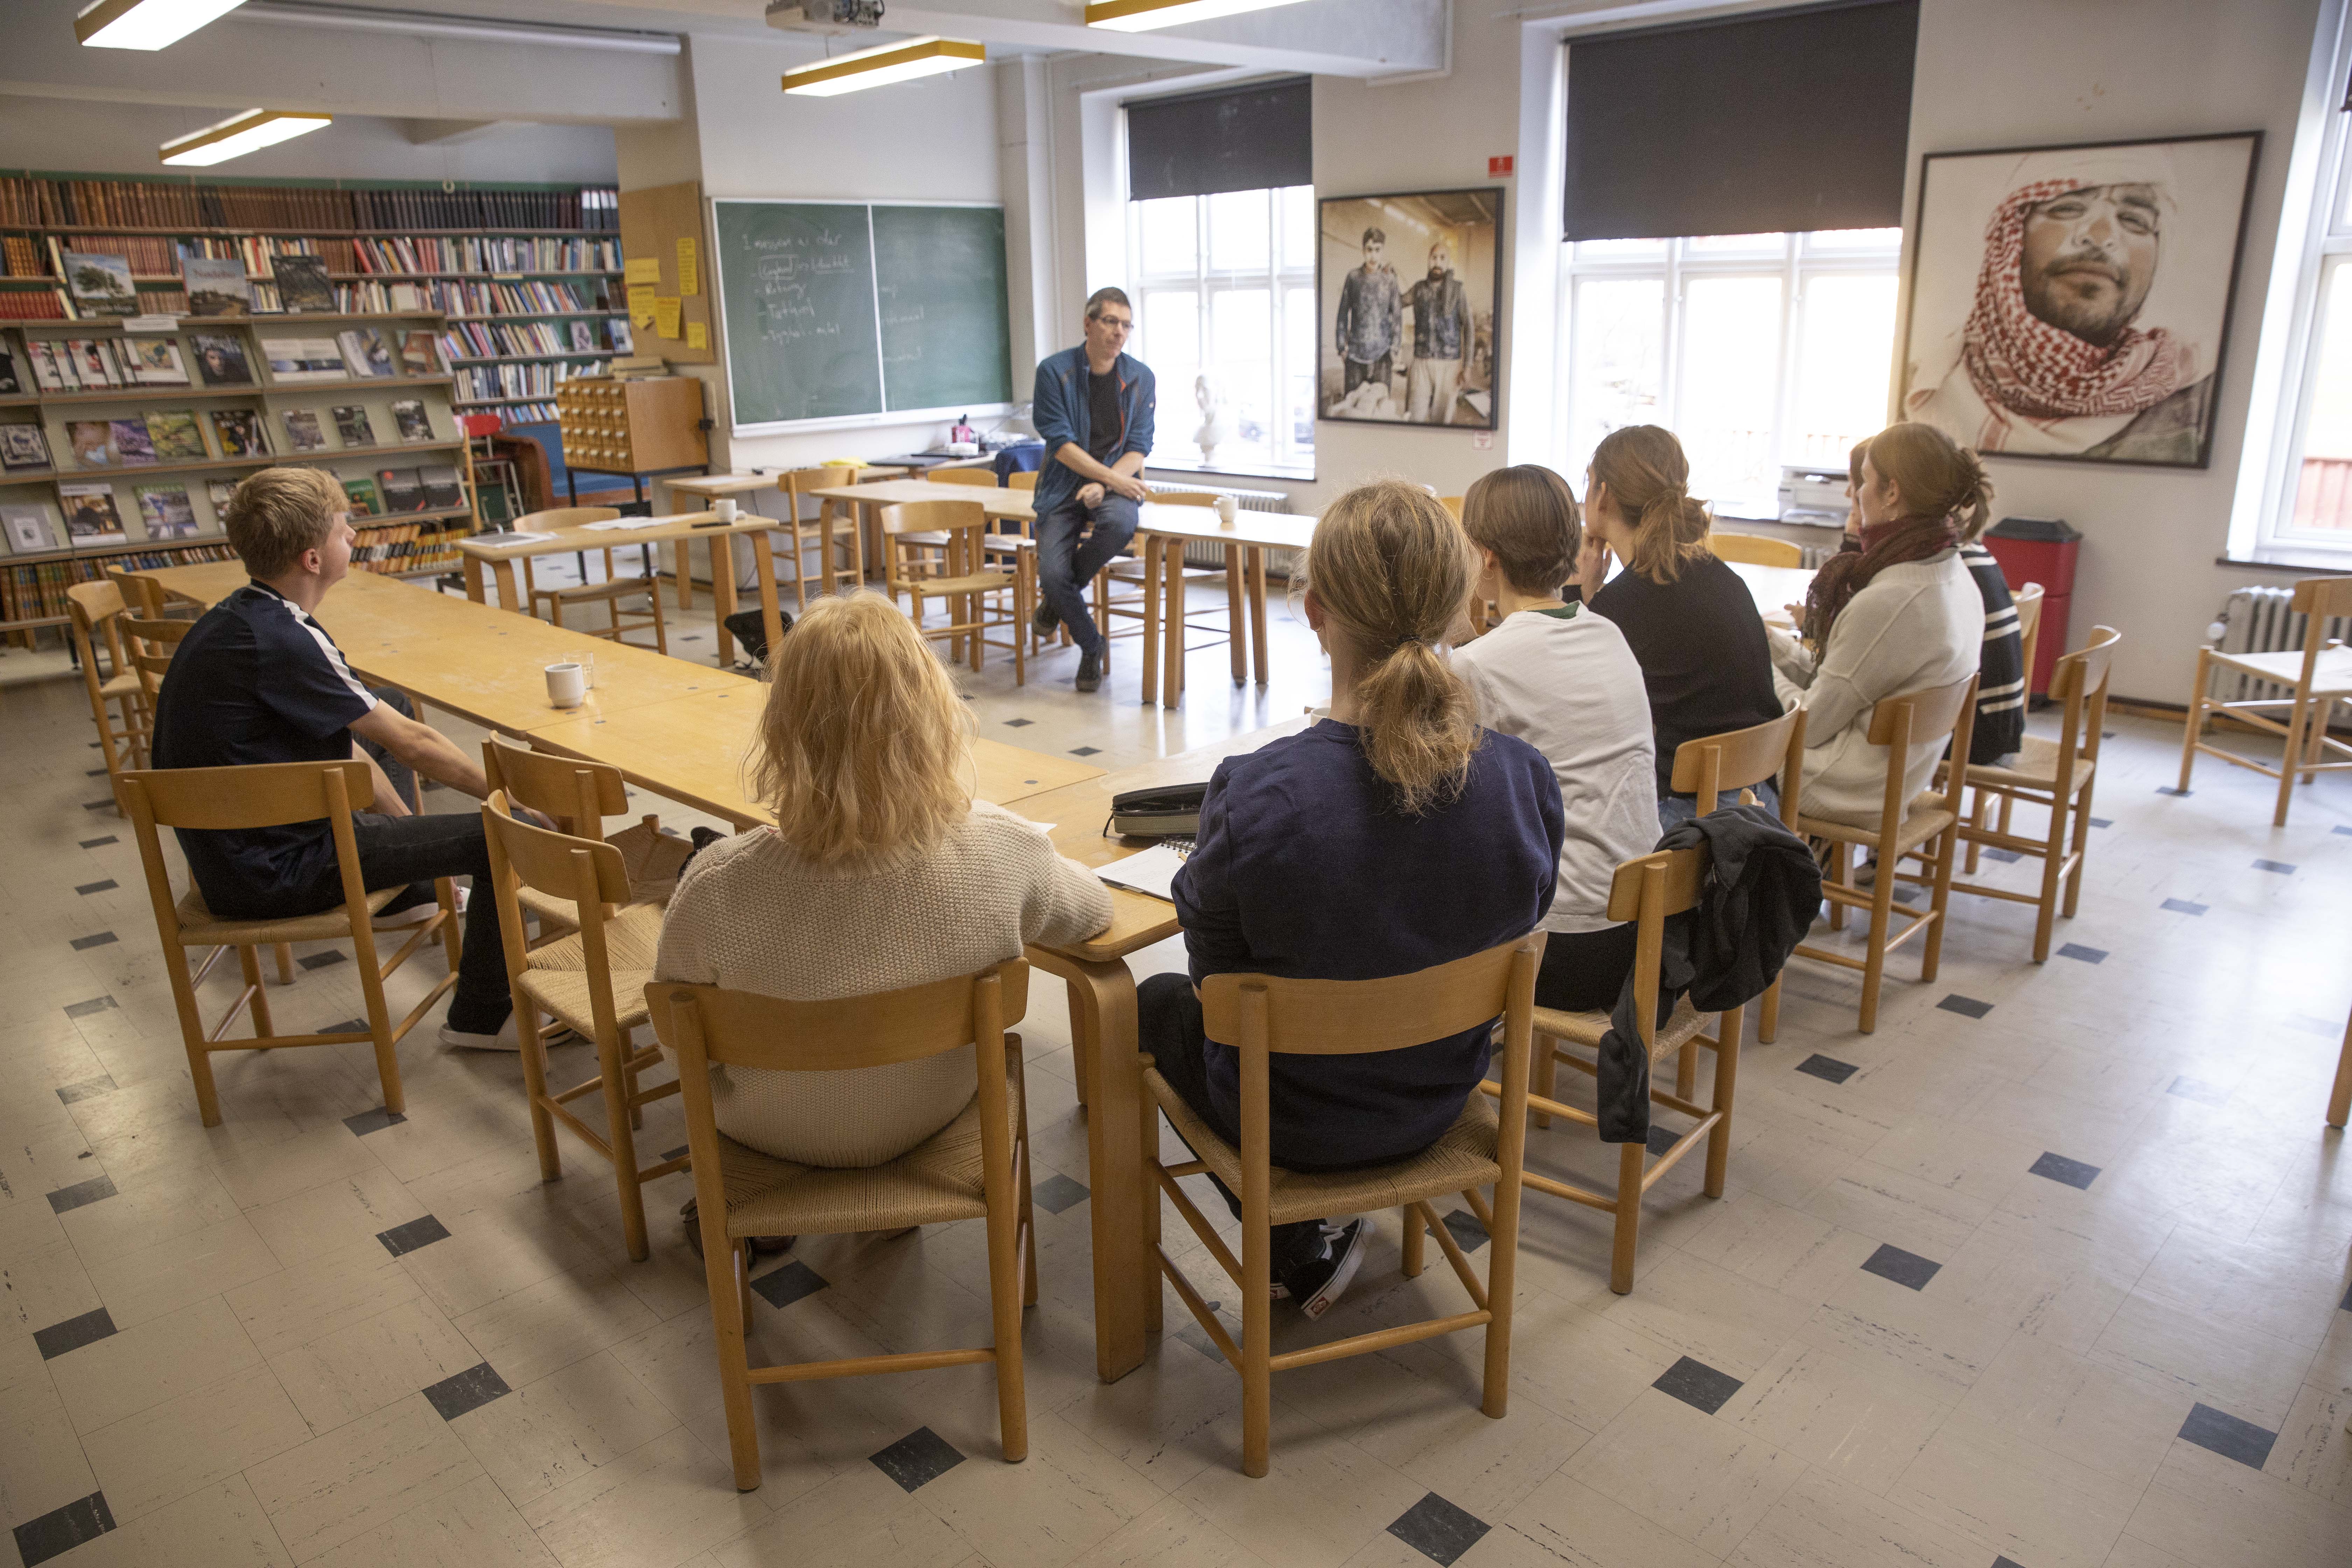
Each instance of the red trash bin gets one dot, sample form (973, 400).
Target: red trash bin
(2039, 550)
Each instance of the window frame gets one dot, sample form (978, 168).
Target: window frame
(1793, 263)
(2327, 247)
(1280, 275)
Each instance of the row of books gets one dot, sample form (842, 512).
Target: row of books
(496, 339)
(506, 253)
(462, 297)
(33, 201)
(36, 590)
(514, 414)
(478, 381)
(411, 547)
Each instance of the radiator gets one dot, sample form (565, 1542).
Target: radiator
(1277, 561)
(2257, 620)
(1817, 553)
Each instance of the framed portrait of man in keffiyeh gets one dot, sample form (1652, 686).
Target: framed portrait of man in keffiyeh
(2073, 302)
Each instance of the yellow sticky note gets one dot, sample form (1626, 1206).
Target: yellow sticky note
(646, 270)
(641, 305)
(666, 313)
(690, 275)
(698, 336)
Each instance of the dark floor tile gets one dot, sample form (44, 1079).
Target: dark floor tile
(322, 960)
(2338, 829)
(81, 1192)
(2168, 789)
(347, 1026)
(1193, 1335)
(2197, 1090)
(1908, 1269)
(61, 1530)
(98, 939)
(106, 804)
(1697, 1385)
(375, 1120)
(1058, 1194)
(2326, 1028)
(1468, 1234)
(1085, 750)
(914, 1460)
(1661, 1140)
(422, 1231)
(93, 773)
(2346, 1304)
(2006, 1562)
(2006, 857)
(73, 1333)
(2076, 951)
(1828, 1068)
(111, 838)
(1966, 1006)
(2279, 867)
(676, 1153)
(2103, 822)
(2183, 907)
(1019, 723)
(2058, 1168)
(108, 886)
(782, 1287)
(88, 1089)
(2227, 1435)
(1437, 1530)
(95, 1004)
(468, 1390)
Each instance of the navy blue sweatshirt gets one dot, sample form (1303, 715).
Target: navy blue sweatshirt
(1304, 867)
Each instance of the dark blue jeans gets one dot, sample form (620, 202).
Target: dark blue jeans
(1065, 565)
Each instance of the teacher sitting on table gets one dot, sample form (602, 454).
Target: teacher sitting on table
(1093, 406)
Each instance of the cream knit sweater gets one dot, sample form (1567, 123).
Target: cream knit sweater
(751, 914)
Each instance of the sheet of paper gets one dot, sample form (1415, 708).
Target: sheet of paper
(666, 315)
(1152, 871)
(646, 270)
(629, 524)
(501, 541)
(698, 335)
(689, 271)
(151, 322)
(641, 306)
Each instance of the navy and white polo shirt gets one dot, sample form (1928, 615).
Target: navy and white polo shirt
(257, 680)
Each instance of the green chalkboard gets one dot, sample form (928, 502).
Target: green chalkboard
(841, 311)
(939, 273)
(796, 291)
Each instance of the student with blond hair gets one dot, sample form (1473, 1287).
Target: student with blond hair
(1898, 615)
(1691, 622)
(1391, 837)
(881, 872)
(1561, 679)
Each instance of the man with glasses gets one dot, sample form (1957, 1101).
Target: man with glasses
(1093, 406)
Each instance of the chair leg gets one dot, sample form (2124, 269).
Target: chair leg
(1768, 1023)
(661, 634)
(1882, 903)
(1257, 1348)
(2082, 850)
(1501, 1283)
(1686, 1072)
(249, 961)
(1729, 1028)
(727, 1277)
(1630, 1157)
(285, 963)
(2291, 756)
(1543, 1068)
(192, 1033)
(453, 939)
(609, 1052)
(1983, 803)
(1947, 852)
(1841, 877)
(1411, 1216)
(2340, 1100)
(2053, 860)
(1004, 1300)
(2195, 724)
(379, 1017)
(1155, 1302)
(534, 1082)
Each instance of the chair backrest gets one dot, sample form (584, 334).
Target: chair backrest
(1022, 479)
(565, 517)
(1647, 890)
(477, 425)
(2078, 684)
(1183, 497)
(1451, 504)
(1355, 1018)
(744, 1028)
(962, 476)
(89, 602)
(2320, 600)
(798, 482)
(260, 795)
(1916, 718)
(587, 871)
(95, 610)
(152, 645)
(1738, 758)
(577, 794)
(2027, 600)
(1755, 550)
(140, 592)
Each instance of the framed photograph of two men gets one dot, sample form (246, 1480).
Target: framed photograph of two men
(1411, 289)
(2073, 302)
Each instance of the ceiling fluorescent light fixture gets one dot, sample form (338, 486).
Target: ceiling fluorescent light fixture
(881, 66)
(239, 135)
(145, 24)
(1143, 15)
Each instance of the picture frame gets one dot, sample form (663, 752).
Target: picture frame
(2073, 303)
(1378, 361)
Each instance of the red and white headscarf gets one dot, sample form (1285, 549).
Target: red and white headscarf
(2024, 364)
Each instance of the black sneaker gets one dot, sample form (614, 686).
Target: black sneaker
(1317, 1286)
(1043, 620)
(1090, 670)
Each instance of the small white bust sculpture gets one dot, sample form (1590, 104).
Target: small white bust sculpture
(1216, 420)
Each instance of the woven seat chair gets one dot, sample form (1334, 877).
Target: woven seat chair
(1263, 1016)
(961, 574)
(2317, 680)
(577, 795)
(977, 1167)
(1734, 762)
(1754, 549)
(608, 593)
(95, 611)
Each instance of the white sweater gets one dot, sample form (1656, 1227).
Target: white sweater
(1920, 624)
(751, 914)
(1568, 685)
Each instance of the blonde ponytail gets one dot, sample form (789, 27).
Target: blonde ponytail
(1649, 481)
(1391, 569)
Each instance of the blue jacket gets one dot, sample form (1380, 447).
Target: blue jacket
(1059, 409)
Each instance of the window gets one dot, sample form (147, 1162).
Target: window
(1224, 287)
(1756, 349)
(2309, 506)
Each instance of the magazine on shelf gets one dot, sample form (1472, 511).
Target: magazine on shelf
(584, 336)
(303, 359)
(176, 435)
(302, 283)
(90, 516)
(166, 512)
(52, 371)
(153, 361)
(100, 284)
(352, 426)
(218, 492)
(443, 489)
(132, 444)
(404, 489)
(216, 287)
(11, 378)
(221, 359)
(366, 353)
(361, 494)
(94, 365)
(303, 430)
(29, 529)
(239, 432)
(408, 413)
(91, 442)
(23, 446)
(417, 354)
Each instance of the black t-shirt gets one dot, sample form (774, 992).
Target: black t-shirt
(1106, 426)
(1702, 650)
(257, 680)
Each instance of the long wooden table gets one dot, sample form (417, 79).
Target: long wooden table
(1165, 531)
(703, 490)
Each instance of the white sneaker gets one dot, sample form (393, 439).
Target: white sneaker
(508, 1038)
(1323, 1282)
(418, 914)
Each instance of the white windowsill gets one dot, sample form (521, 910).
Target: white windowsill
(1233, 471)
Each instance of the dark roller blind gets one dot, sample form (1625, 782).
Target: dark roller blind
(1237, 138)
(1793, 120)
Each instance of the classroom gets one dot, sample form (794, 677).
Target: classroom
(1176, 784)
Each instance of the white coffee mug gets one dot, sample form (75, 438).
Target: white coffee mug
(567, 684)
(1228, 509)
(726, 509)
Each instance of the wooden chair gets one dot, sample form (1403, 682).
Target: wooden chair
(1022, 479)
(960, 575)
(96, 611)
(977, 1167)
(1755, 550)
(594, 984)
(2057, 774)
(2317, 679)
(152, 645)
(609, 593)
(275, 794)
(2340, 1100)
(1451, 504)
(2028, 601)
(579, 796)
(833, 530)
(964, 475)
(1646, 890)
(1126, 572)
(1265, 1016)
(1909, 719)
(1735, 762)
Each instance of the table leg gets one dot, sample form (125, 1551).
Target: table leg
(722, 594)
(681, 560)
(504, 571)
(1126, 1286)
(763, 567)
(475, 585)
(1233, 614)
(1151, 618)
(1257, 609)
(1171, 622)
